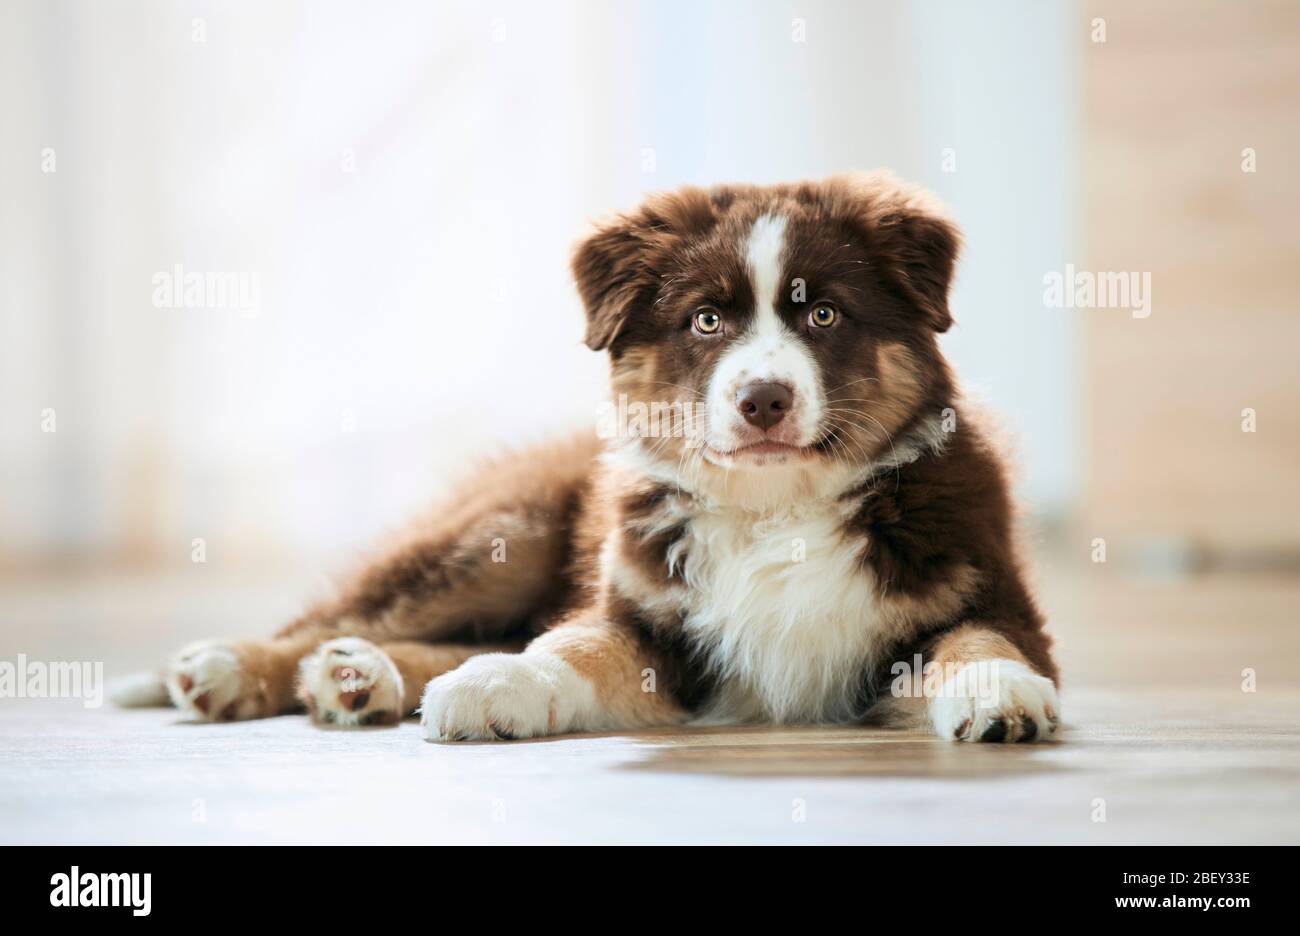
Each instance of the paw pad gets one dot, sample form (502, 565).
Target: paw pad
(350, 682)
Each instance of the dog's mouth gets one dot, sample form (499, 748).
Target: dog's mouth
(765, 452)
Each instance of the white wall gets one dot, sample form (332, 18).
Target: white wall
(417, 309)
(998, 85)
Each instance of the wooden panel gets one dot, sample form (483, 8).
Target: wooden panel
(1172, 97)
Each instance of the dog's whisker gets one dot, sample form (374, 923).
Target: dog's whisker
(851, 383)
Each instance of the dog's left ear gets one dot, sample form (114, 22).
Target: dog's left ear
(618, 267)
(911, 230)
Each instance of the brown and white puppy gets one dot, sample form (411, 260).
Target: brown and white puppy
(816, 511)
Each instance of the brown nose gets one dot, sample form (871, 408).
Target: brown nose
(764, 404)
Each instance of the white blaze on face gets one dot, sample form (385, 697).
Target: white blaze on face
(766, 351)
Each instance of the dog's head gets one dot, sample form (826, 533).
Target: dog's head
(775, 330)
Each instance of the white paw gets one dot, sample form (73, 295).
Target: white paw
(504, 695)
(206, 681)
(996, 700)
(351, 682)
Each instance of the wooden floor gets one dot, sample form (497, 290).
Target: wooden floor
(1161, 741)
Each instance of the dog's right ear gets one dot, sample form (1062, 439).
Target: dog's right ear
(618, 268)
(608, 270)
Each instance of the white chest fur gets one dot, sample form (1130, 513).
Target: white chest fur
(784, 611)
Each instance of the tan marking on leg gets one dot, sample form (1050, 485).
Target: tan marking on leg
(420, 662)
(972, 642)
(270, 668)
(613, 660)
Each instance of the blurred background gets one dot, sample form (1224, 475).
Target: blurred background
(398, 186)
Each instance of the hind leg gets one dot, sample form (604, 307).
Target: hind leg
(344, 681)
(470, 572)
(236, 680)
(350, 681)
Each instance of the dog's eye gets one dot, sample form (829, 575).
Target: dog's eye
(707, 322)
(822, 316)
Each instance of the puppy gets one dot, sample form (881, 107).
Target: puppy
(788, 513)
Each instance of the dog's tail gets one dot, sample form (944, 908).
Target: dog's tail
(140, 690)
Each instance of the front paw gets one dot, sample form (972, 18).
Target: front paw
(502, 696)
(996, 700)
